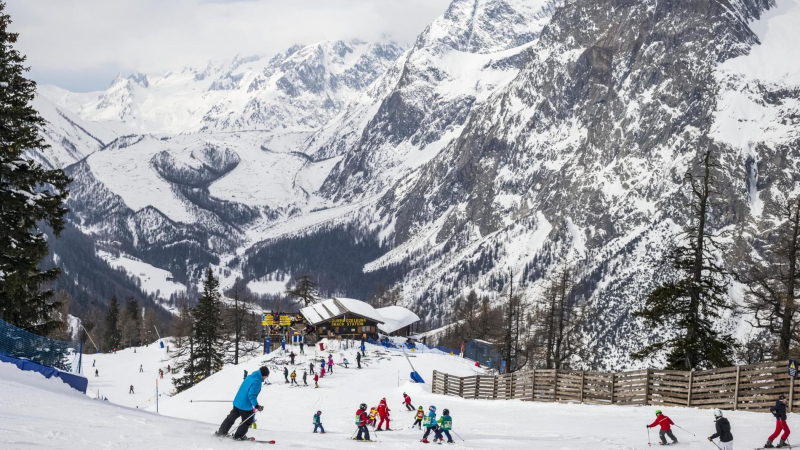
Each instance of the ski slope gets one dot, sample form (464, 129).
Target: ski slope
(35, 412)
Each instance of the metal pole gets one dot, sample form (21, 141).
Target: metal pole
(80, 356)
(156, 395)
(684, 429)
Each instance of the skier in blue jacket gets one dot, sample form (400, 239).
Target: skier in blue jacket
(245, 405)
(429, 423)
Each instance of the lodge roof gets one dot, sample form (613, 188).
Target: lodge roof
(334, 307)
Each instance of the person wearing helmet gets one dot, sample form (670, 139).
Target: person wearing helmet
(430, 423)
(779, 411)
(419, 416)
(361, 423)
(666, 427)
(407, 402)
(445, 425)
(245, 405)
(383, 413)
(723, 431)
(318, 423)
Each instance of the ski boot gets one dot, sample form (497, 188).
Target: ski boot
(769, 445)
(425, 441)
(782, 444)
(389, 429)
(451, 441)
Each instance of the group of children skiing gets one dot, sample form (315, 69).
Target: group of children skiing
(723, 428)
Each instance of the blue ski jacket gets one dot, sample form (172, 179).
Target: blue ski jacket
(247, 397)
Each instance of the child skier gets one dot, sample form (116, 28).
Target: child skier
(131, 390)
(723, 431)
(330, 363)
(291, 357)
(418, 418)
(322, 372)
(305, 375)
(666, 427)
(318, 423)
(361, 423)
(316, 381)
(407, 401)
(311, 367)
(446, 425)
(286, 374)
(373, 414)
(344, 361)
(294, 378)
(430, 423)
(779, 411)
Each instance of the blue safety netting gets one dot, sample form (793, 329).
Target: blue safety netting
(18, 343)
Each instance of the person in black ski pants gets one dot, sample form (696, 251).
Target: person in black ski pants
(245, 405)
(311, 367)
(358, 359)
(301, 349)
(305, 374)
(361, 422)
(723, 431)
(286, 373)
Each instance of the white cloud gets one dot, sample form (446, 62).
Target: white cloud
(81, 44)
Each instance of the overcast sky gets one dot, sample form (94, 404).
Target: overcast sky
(82, 44)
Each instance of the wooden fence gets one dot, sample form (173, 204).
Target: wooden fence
(754, 387)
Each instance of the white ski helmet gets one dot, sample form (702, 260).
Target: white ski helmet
(717, 413)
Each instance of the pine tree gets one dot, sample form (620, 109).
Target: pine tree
(113, 335)
(773, 294)
(693, 300)
(209, 349)
(132, 323)
(304, 289)
(29, 195)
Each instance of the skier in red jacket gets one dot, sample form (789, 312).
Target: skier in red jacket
(383, 412)
(361, 423)
(407, 402)
(666, 427)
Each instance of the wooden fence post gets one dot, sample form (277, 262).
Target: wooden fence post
(736, 389)
(494, 387)
(647, 387)
(583, 373)
(691, 382)
(477, 385)
(446, 382)
(613, 385)
(461, 387)
(533, 386)
(555, 385)
(513, 392)
(434, 382)
(791, 394)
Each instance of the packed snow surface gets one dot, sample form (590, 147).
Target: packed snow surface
(153, 279)
(37, 412)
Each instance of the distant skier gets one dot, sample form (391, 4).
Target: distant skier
(161, 373)
(358, 359)
(418, 418)
(322, 372)
(286, 374)
(96, 373)
(430, 423)
(330, 363)
(344, 361)
(477, 364)
(361, 423)
(140, 368)
(446, 424)
(779, 411)
(311, 367)
(291, 357)
(293, 376)
(322, 363)
(383, 413)
(305, 375)
(245, 405)
(407, 402)
(316, 381)
(723, 428)
(93, 361)
(666, 427)
(318, 423)
(130, 391)
(169, 368)
(301, 348)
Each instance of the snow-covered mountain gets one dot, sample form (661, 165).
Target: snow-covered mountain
(513, 135)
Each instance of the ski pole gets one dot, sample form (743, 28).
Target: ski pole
(715, 444)
(684, 429)
(459, 436)
(208, 401)
(648, 436)
(354, 434)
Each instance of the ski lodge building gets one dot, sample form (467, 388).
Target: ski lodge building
(350, 318)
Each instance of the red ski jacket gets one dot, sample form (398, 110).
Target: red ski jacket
(361, 415)
(663, 421)
(383, 411)
(407, 399)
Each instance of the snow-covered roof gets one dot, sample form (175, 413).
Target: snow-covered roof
(335, 307)
(395, 318)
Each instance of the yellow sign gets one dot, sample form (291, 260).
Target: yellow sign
(267, 321)
(358, 322)
(285, 320)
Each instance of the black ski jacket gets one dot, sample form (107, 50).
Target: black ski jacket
(779, 410)
(723, 430)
